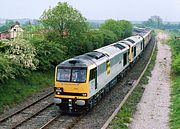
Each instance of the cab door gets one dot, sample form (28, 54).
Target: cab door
(93, 78)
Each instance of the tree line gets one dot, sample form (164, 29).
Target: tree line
(62, 33)
(157, 23)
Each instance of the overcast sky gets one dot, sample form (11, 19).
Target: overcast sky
(134, 10)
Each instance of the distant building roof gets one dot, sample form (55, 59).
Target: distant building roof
(4, 28)
(17, 23)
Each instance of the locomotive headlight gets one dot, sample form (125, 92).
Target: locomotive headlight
(84, 94)
(58, 91)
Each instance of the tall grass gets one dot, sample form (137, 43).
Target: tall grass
(175, 83)
(16, 90)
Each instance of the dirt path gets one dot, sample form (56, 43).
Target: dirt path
(153, 109)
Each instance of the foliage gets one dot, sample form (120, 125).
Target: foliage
(49, 53)
(6, 26)
(121, 28)
(126, 28)
(21, 52)
(94, 24)
(109, 36)
(175, 103)
(113, 26)
(65, 28)
(175, 83)
(17, 58)
(157, 23)
(94, 39)
(170, 26)
(65, 20)
(175, 44)
(63, 33)
(154, 22)
(29, 28)
(6, 71)
(16, 90)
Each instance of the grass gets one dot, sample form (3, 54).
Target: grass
(175, 103)
(124, 117)
(16, 90)
(175, 83)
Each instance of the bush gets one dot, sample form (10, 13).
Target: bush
(126, 28)
(109, 37)
(21, 52)
(176, 55)
(121, 28)
(17, 58)
(6, 71)
(49, 54)
(94, 40)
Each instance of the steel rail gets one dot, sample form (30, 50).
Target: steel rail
(24, 108)
(35, 114)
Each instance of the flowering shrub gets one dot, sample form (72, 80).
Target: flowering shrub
(17, 58)
(21, 52)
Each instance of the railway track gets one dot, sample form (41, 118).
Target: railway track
(22, 115)
(49, 122)
(91, 120)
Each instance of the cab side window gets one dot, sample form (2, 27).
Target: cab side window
(124, 59)
(93, 75)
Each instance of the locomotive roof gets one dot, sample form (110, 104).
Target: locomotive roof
(141, 31)
(99, 55)
(78, 61)
(133, 39)
(112, 49)
(85, 60)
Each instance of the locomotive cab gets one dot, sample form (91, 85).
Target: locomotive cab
(71, 86)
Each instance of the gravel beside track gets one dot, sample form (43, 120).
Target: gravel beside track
(153, 109)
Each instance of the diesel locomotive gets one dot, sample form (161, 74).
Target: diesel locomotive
(80, 82)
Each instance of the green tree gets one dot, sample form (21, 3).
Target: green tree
(109, 36)
(48, 53)
(121, 28)
(7, 25)
(94, 39)
(126, 28)
(64, 20)
(113, 26)
(154, 22)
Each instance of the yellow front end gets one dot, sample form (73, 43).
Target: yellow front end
(72, 90)
(72, 97)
